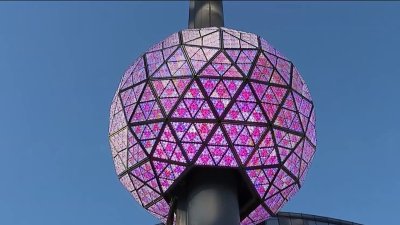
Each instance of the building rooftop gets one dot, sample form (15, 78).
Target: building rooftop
(289, 218)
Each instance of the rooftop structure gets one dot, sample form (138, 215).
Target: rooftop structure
(289, 218)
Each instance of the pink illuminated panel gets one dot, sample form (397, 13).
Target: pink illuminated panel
(212, 98)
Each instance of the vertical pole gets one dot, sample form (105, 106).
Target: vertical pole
(205, 13)
(211, 199)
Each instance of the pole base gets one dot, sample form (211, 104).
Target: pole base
(210, 199)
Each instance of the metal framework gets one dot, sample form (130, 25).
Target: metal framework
(212, 97)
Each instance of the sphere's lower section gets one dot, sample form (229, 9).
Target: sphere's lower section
(213, 98)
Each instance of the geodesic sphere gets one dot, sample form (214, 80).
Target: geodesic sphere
(212, 97)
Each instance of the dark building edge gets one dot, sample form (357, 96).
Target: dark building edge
(283, 217)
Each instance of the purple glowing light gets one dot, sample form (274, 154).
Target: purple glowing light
(163, 118)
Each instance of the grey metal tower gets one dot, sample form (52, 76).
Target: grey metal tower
(207, 198)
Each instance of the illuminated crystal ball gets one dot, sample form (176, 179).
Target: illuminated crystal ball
(212, 97)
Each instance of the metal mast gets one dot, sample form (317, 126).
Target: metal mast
(209, 196)
(206, 14)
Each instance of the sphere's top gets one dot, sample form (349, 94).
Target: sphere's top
(216, 98)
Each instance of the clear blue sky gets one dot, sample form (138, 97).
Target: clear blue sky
(60, 63)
